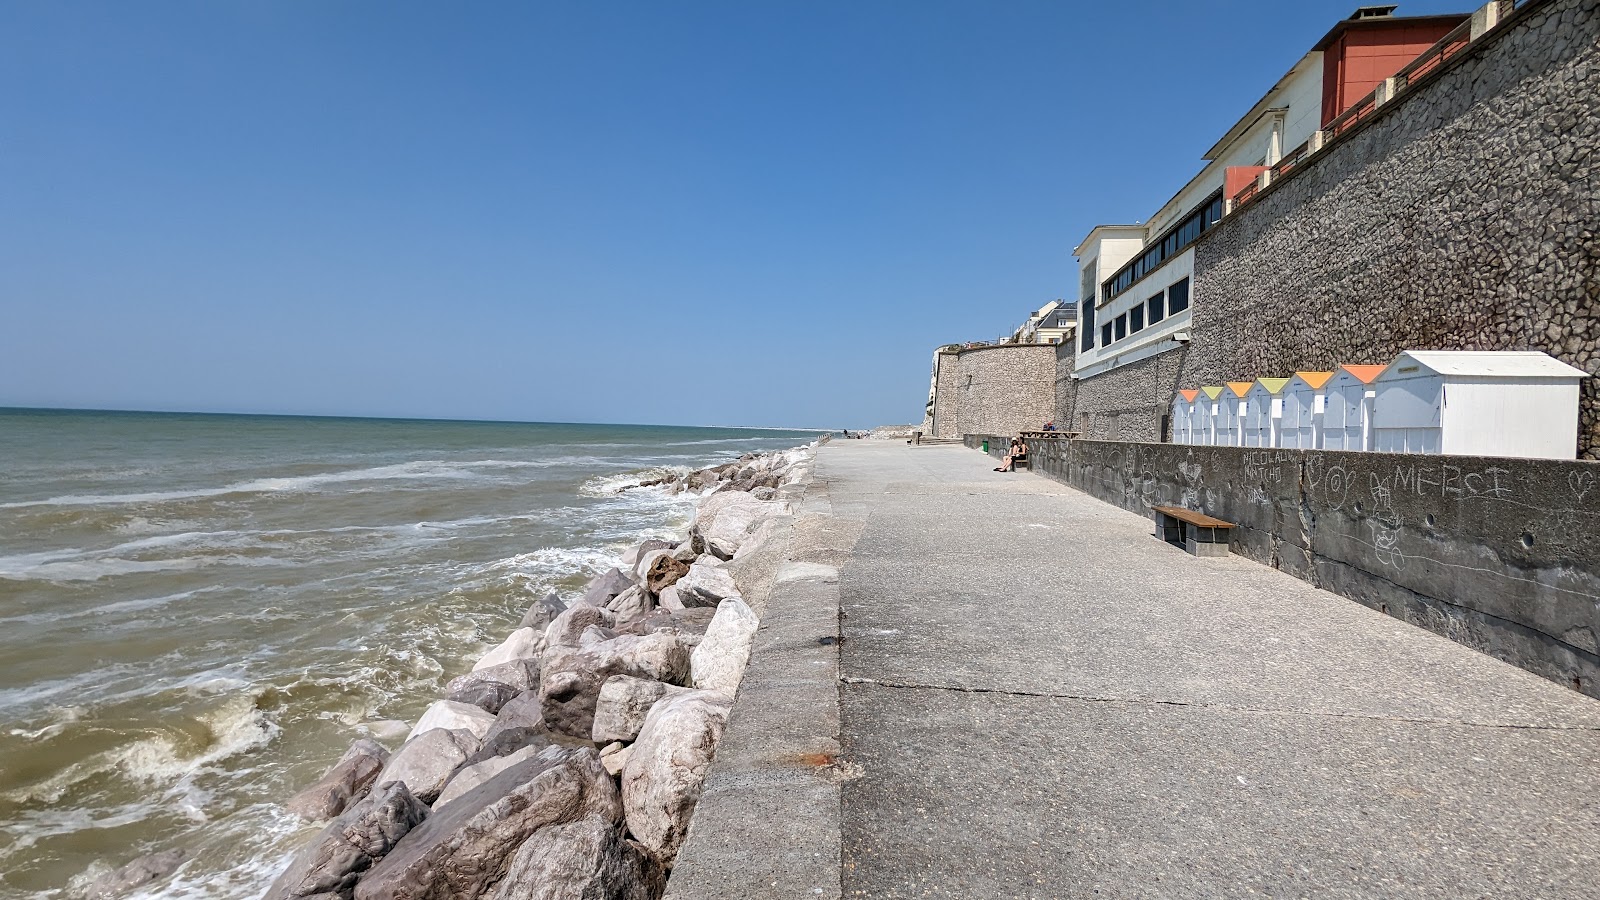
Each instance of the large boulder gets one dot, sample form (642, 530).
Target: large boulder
(630, 557)
(489, 696)
(136, 874)
(519, 725)
(569, 684)
(464, 849)
(521, 674)
(350, 845)
(707, 583)
(450, 714)
(343, 784)
(631, 604)
(604, 586)
(624, 702)
(646, 560)
(473, 774)
(567, 628)
(524, 643)
(426, 761)
(539, 615)
(718, 663)
(724, 520)
(667, 766)
(589, 859)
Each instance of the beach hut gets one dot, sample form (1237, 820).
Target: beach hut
(1263, 410)
(1304, 402)
(1347, 408)
(1478, 403)
(1204, 429)
(1230, 414)
(1182, 418)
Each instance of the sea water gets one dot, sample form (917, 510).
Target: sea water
(199, 613)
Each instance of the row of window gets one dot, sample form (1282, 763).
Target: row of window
(1170, 302)
(1177, 238)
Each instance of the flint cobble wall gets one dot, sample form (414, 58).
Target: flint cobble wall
(998, 389)
(1502, 555)
(1462, 216)
(1127, 403)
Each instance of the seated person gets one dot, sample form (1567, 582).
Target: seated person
(1019, 450)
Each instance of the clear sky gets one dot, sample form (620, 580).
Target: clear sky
(753, 212)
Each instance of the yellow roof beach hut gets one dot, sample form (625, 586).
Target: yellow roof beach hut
(1263, 408)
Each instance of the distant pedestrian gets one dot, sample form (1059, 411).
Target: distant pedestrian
(1049, 426)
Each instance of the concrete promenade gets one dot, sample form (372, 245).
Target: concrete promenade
(1033, 697)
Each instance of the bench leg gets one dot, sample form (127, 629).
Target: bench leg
(1206, 541)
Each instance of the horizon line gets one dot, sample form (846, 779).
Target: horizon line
(359, 418)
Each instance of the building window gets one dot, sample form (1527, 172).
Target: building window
(1086, 325)
(1178, 297)
(1122, 327)
(1105, 334)
(1157, 307)
(1136, 319)
(1168, 245)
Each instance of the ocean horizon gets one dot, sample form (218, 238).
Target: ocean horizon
(200, 611)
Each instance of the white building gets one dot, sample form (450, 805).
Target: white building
(1051, 323)
(1477, 402)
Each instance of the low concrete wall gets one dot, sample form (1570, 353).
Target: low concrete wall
(1502, 555)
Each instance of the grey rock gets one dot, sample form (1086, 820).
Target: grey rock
(568, 627)
(606, 585)
(631, 604)
(473, 774)
(584, 860)
(524, 643)
(426, 761)
(333, 861)
(624, 702)
(346, 782)
(465, 849)
(521, 674)
(138, 873)
(705, 584)
(540, 614)
(488, 696)
(571, 680)
(667, 766)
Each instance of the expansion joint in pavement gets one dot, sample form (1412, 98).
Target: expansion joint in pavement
(1200, 704)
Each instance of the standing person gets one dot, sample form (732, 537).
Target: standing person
(1019, 450)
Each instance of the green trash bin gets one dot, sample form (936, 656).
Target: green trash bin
(986, 446)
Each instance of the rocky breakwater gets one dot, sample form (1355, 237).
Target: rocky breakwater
(567, 763)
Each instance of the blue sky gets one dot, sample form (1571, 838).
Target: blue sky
(760, 213)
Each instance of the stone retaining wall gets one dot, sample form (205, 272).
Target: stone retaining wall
(1002, 388)
(1502, 555)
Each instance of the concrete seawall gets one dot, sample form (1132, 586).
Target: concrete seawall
(1502, 555)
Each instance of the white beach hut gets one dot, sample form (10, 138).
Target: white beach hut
(1347, 410)
(1230, 414)
(1263, 411)
(1477, 402)
(1304, 402)
(1203, 430)
(1182, 418)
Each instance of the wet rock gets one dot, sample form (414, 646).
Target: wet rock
(568, 627)
(524, 643)
(623, 703)
(571, 679)
(426, 761)
(343, 784)
(540, 614)
(521, 674)
(465, 848)
(718, 663)
(138, 873)
(605, 586)
(449, 714)
(473, 774)
(705, 584)
(667, 766)
(488, 696)
(332, 863)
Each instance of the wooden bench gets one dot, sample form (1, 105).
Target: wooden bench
(1196, 532)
